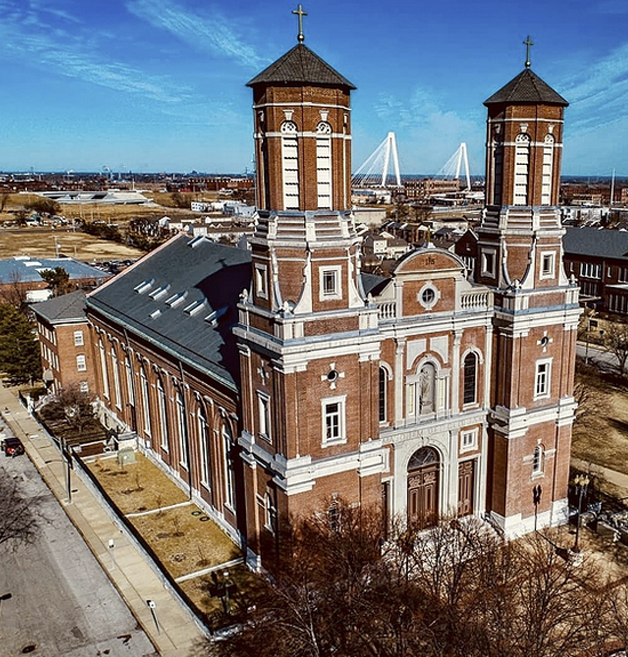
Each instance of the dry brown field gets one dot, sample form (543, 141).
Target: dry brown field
(600, 436)
(41, 243)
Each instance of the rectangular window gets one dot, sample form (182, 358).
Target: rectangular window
(590, 270)
(542, 380)
(547, 265)
(261, 288)
(264, 415)
(468, 440)
(81, 365)
(78, 339)
(330, 283)
(488, 263)
(334, 420)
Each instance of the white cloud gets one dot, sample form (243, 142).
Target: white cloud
(26, 35)
(427, 133)
(209, 33)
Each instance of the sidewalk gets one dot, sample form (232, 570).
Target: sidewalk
(619, 479)
(173, 628)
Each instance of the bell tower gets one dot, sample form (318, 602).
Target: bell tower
(520, 256)
(308, 336)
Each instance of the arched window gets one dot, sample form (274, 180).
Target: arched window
(537, 460)
(230, 492)
(498, 170)
(548, 170)
(270, 519)
(205, 447)
(145, 401)
(182, 430)
(469, 394)
(163, 416)
(323, 164)
(103, 368)
(290, 165)
(129, 381)
(334, 516)
(383, 397)
(116, 376)
(522, 169)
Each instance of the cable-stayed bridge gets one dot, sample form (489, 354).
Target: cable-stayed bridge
(381, 169)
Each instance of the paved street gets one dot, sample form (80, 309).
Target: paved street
(62, 602)
(597, 356)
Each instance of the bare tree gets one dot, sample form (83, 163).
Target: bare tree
(457, 589)
(18, 521)
(71, 409)
(616, 343)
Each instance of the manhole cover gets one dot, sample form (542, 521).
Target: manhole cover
(204, 518)
(27, 649)
(196, 513)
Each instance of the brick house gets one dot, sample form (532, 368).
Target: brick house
(64, 341)
(274, 381)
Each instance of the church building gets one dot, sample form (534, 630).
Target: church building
(281, 379)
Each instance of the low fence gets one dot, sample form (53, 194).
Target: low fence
(206, 621)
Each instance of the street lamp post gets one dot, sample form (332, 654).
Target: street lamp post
(582, 483)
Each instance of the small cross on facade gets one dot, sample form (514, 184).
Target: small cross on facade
(528, 44)
(300, 13)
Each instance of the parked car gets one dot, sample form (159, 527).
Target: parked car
(13, 447)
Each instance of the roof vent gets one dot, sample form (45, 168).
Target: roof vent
(159, 292)
(155, 314)
(144, 286)
(195, 307)
(214, 316)
(176, 299)
(196, 241)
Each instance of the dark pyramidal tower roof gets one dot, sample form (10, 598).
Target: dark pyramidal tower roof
(527, 87)
(300, 66)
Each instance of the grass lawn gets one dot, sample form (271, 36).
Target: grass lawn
(185, 540)
(136, 487)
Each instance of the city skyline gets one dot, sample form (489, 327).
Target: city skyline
(159, 85)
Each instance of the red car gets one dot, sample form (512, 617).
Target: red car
(13, 447)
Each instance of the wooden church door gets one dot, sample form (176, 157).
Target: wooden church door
(423, 483)
(466, 477)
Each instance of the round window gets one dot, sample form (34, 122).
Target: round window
(428, 296)
(332, 376)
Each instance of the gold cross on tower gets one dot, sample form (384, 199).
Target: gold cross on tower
(300, 13)
(527, 43)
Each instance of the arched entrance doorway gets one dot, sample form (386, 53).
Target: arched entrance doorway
(423, 483)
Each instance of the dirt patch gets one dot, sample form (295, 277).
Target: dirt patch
(136, 487)
(184, 541)
(42, 243)
(207, 598)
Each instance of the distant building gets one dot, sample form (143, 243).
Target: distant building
(23, 272)
(598, 258)
(65, 344)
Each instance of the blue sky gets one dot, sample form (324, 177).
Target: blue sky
(159, 85)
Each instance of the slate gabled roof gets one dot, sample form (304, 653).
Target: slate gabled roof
(527, 87)
(300, 66)
(67, 308)
(596, 242)
(182, 298)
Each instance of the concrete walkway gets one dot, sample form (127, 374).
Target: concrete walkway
(173, 629)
